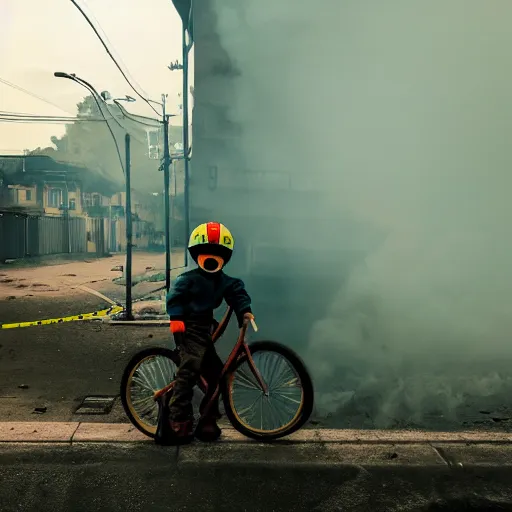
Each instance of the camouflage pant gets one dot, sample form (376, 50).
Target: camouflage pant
(198, 357)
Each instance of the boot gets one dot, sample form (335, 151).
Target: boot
(181, 432)
(171, 433)
(163, 431)
(207, 429)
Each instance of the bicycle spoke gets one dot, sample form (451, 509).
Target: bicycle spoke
(277, 408)
(150, 375)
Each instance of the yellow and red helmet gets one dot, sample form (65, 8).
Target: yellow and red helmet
(211, 238)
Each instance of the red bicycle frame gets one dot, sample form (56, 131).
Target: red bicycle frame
(240, 349)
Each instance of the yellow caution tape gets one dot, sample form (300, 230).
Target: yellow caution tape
(86, 316)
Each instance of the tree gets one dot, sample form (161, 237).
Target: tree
(89, 143)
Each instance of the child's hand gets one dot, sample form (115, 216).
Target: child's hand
(250, 318)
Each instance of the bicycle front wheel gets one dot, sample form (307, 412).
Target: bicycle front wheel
(286, 406)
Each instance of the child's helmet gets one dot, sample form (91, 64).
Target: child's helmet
(211, 238)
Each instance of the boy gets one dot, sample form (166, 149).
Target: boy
(190, 306)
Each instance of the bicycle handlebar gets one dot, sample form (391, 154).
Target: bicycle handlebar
(219, 331)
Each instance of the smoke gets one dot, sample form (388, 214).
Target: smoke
(400, 113)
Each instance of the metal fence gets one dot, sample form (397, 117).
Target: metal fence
(24, 236)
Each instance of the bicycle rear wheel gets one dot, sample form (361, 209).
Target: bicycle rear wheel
(289, 402)
(147, 372)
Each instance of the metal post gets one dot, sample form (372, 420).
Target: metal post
(129, 246)
(167, 206)
(186, 50)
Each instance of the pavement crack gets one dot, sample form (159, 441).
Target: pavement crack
(74, 432)
(449, 461)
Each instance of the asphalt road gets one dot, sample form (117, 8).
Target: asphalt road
(123, 477)
(56, 366)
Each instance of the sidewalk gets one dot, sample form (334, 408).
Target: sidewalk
(80, 432)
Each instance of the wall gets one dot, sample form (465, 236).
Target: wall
(18, 195)
(76, 196)
(49, 209)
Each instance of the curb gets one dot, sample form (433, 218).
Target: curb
(78, 432)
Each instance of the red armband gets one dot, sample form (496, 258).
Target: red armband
(177, 326)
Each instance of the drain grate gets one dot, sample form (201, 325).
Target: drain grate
(96, 405)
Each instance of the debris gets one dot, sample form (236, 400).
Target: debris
(9, 261)
(23, 386)
(40, 410)
(392, 455)
(69, 275)
(484, 412)
(10, 297)
(119, 268)
(39, 285)
(148, 310)
(7, 280)
(499, 418)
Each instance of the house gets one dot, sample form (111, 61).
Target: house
(45, 185)
(54, 188)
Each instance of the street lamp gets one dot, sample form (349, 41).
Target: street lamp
(98, 100)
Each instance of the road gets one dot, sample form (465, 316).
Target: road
(253, 478)
(56, 366)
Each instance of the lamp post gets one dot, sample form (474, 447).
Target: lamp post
(166, 168)
(126, 168)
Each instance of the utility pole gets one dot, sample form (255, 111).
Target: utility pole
(186, 49)
(129, 232)
(167, 206)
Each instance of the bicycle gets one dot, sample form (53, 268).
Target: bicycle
(150, 374)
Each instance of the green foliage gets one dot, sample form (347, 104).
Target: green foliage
(90, 144)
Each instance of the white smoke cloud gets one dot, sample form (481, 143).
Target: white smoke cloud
(401, 111)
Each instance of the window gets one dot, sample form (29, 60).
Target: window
(72, 204)
(96, 200)
(54, 197)
(28, 195)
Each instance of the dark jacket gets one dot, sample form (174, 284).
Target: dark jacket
(195, 294)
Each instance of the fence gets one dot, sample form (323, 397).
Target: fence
(22, 235)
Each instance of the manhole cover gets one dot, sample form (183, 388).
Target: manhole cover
(96, 405)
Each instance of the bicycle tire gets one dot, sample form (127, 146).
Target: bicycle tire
(302, 373)
(129, 370)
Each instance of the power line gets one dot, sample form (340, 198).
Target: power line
(93, 91)
(24, 116)
(21, 89)
(121, 125)
(75, 3)
(31, 121)
(138, 119)
(109, 43)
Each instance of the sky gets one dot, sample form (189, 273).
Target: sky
(39, 38)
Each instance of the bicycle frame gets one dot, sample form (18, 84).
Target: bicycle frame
(240, 349)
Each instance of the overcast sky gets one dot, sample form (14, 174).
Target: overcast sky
(39, 37)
